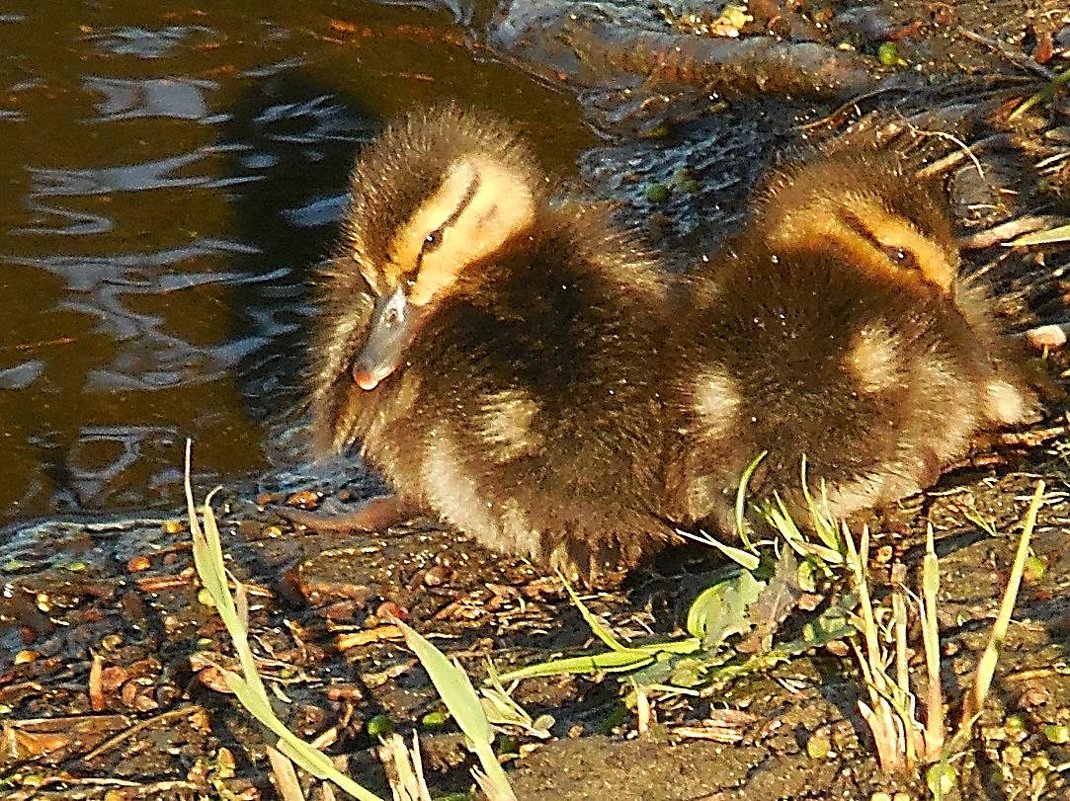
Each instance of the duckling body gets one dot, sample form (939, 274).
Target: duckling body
(495, 353)
(837, 327)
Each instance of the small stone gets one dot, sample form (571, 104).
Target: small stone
(436, 576)
(112, 677)
(305, 499)
(838, 648)
(390, 609)
(1035, 695)
(138, 564)
(1051, 337)
(344, 692)
(340, 611)
(25, 657)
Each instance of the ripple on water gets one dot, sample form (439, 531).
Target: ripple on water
(171, 177)
(178, 98)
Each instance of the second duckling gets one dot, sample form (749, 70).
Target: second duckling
(837, 327)
(496, 352)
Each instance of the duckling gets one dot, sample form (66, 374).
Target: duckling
(837, 327)
(495, 351)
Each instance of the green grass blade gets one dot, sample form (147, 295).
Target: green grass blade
(1051, 236)
(935, 727)
(462, 701)
(608, 662)
(1046, 92)
(597, 626)
(452, 684)
(250, 691)
(741, 504)
(986, 668)
(744, 559)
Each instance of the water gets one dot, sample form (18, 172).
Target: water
(169, 176)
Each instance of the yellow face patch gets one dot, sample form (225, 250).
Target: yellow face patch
(905, 249)
(480, 206)
(872, 237)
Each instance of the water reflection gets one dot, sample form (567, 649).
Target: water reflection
(181, 99)
(171, 175)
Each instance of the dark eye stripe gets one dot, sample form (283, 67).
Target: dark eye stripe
(903, 258)
(434, 239)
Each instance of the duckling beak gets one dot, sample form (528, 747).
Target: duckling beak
(394, 323)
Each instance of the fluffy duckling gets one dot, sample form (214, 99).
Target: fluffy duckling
(495, 353)
(837, 327)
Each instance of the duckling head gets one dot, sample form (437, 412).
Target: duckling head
(873, 212)
(434, 200)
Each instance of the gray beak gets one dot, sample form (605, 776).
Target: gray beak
(394, 323)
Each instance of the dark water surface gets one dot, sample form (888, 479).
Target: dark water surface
(169, 175)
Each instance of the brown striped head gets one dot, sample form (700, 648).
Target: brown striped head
(873, 213)
(435, 199)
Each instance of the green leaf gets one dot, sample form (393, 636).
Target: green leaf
(721, 610)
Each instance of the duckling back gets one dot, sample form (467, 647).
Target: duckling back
(512, 384)
(837, 328)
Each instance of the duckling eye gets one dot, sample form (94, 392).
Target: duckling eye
(902, 257)
(432, 241)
